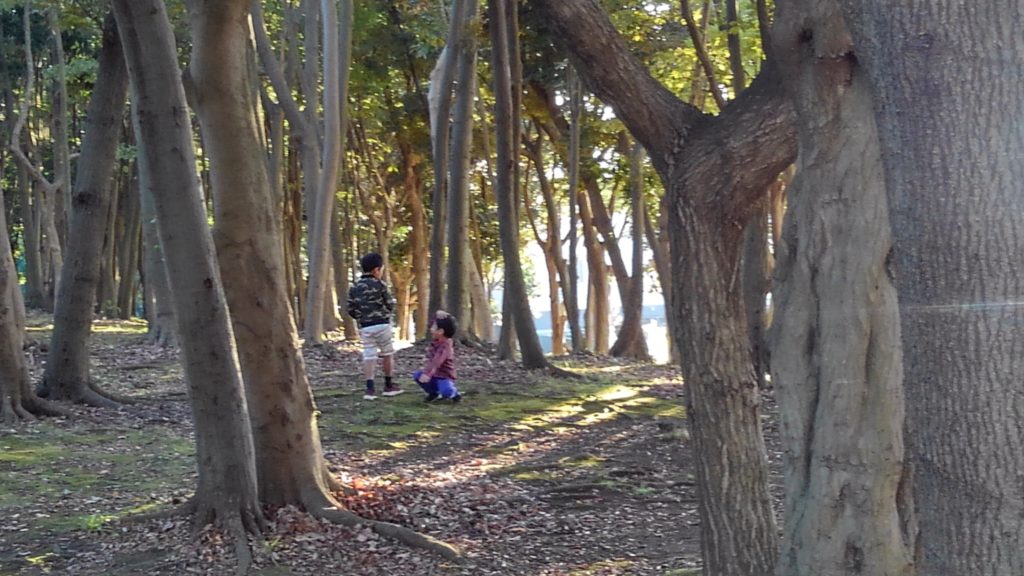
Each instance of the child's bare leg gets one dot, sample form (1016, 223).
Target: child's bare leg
(369, 367)
(387, 365)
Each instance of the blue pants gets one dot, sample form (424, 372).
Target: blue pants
(443, 387)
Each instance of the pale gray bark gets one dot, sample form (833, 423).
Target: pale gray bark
(59, 112)
(947, 79)
(227, 489)
(50, 254)
(836, 360)
(457, 219)
(571, 282)
(337, 54)
(67, 367)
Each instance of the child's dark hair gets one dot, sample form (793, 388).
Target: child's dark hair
(370, 262)
(446, 323)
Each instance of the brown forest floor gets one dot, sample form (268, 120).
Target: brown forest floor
(530, 475)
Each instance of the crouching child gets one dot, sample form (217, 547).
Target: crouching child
(437, 378)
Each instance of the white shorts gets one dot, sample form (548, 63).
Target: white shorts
(378, 341)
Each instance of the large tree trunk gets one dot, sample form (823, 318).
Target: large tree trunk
(227, 489)
(709, 193)
(529, 343)
(289, 463)
(836, 354)
(457, 298)
(947, 84)
(67, 367)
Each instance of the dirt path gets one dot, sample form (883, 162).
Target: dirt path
(529, 475)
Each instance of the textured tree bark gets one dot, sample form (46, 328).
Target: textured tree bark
(67, 367)
(289, 462)
(709, 191)
(947, 80)
(836, 360)
(227, 489)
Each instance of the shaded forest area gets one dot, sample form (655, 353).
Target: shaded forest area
(824, 194)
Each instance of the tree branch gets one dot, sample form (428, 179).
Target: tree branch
(655, 116)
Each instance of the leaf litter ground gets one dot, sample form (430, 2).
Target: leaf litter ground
(529, 475)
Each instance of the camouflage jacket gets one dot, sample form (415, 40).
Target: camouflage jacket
(369, 302)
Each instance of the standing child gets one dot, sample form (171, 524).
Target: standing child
(438, 375)
(370, 303)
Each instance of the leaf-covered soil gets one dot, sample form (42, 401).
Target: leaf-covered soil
(529, 475)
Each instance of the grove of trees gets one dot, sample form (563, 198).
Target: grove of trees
(824, 193)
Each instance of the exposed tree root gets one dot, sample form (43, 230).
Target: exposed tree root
(110, 395)
(27, 407)
(322, 506)
(563, 373)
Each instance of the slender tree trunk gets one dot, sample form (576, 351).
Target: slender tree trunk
(128, 253)
(572, 308)
(227, 488)
(836, 353)
(17, 400)
(946, 79)
(418, 236)
(529, 343)
(458, 179)
(597, 295)
(61, 153)
(337, 54)
(631, 342)
(159, 302)
(67, 367)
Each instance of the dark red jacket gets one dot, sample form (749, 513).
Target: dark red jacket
(440, 360)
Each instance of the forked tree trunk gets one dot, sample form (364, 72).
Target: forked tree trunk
(227, 489)
(289, 462)
(529, 343)
(67, 367)
(17, 400)
(947, 80)
(708, 197)
(836, 352)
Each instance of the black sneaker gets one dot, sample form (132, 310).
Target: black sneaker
(457, 398)
(431, 397)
